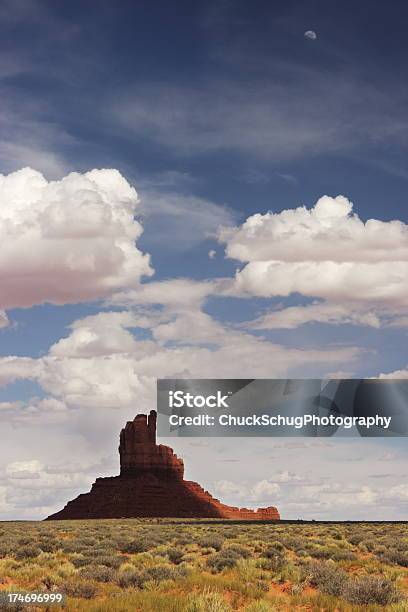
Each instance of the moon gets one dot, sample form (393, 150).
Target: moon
(310, 34)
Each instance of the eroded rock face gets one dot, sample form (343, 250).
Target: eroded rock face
(151, 484)
(139, 453)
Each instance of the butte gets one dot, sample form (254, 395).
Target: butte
(151, 484)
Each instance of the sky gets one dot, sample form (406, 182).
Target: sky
(199, 190)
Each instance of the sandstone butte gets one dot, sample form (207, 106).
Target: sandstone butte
(151, 484)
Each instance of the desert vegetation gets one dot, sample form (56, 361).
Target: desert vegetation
(171, 566)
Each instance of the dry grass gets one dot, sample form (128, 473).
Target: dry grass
(164, 565)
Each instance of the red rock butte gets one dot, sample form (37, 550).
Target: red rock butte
(151, 484)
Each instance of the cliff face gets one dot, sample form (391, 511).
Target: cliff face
(151, 484)
(140, 455)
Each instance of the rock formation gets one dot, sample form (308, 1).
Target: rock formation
(151, 484)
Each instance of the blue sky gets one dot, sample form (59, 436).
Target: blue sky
(220, 115)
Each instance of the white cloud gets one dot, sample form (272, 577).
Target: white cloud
(366, 495)
(286, 476)
(263, 490)
(327, 232)
(48, 410)
(101, 363)
(118, 379)
(395, 374)
(4, 322)
(24, 470)
(398, 493)
(178, 293)
(294, 316)
(336, 495)
(330, 280)
(359, 268)
(228, 488)
(34, 469)
(105, 369)
(260, 492)
(103, 334)
(17, 368)
(79, 233)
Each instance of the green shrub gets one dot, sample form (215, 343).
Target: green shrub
(302, 553)
(114, 561)
(333, 553)
(25, 541)
(398, 557)
(207, 602)
(355, 538)
(73, 546)
(260, 606)
(27, 552)
(370, 544)
(159, 573)
(5, 549)
(48, 546)
(100, 573)
(81, 561)
(371, 590)
(137, 546)
(130, 578)
(78, 588)
(219, 561)
(276, 559)
(175, 555)
(327, 578)
(238, 550)
(109, 561)
(276, 546)
(212, 541)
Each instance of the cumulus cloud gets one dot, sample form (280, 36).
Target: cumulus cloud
(67, 241)
(17, 368)
(261, 491)
(104, 334)
(103, 363)
(326, 279)
(397, 493)
(4, 322)
(24, 470)
(48, 411)
(105, 368)
(329, 231)
(30, 487)
(178, 293)
(396, 374)
(121, 379)
(327, 252)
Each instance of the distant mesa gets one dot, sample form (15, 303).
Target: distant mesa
(151, 484)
